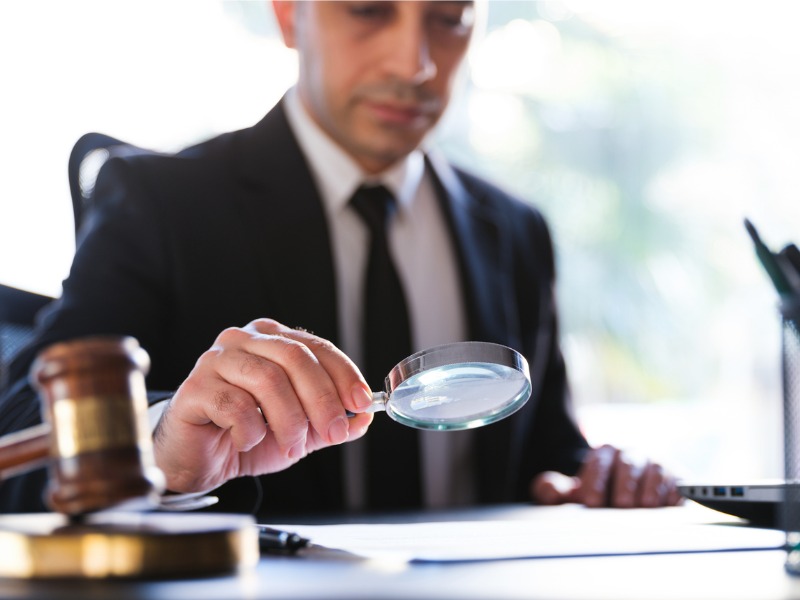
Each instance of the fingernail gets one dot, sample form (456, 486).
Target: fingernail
(338, 430)
(298, 450)
(362, 397)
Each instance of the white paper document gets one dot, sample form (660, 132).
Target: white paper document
(546, 532)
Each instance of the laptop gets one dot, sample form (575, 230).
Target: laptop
(757, 502)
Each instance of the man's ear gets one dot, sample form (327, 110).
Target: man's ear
(284, 14)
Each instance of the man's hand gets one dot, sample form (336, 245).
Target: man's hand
(608, 478)
(262, 398)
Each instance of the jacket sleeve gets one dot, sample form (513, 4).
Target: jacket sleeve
(552, 439)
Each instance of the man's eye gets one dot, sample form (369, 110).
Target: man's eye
(448, 21)
(460, 21)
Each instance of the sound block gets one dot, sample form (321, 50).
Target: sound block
(126, 545)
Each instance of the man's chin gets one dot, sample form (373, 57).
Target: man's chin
(380, 161)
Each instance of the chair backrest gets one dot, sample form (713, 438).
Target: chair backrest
(88, 155)
(18, 310)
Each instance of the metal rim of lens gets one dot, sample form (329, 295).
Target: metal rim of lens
(451, 354)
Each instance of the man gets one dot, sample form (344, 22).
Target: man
(258, 223)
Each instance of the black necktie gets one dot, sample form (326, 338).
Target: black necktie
(393, 473)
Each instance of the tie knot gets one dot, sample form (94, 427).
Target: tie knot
(375, 204)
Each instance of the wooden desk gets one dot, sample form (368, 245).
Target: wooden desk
(739, 575)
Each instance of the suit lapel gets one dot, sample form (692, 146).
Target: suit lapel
(280, 200)
(487, 283)
(482, 256)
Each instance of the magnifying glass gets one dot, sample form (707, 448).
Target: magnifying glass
(455, 386)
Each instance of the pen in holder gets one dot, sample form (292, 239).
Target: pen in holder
(790, 510)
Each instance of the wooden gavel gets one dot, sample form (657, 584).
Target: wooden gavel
(95, 438)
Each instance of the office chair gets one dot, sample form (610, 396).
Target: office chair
(18, 309)
(88, 155)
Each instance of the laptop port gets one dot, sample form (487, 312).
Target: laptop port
(720, 491)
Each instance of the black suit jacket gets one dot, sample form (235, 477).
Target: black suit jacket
(182, 246)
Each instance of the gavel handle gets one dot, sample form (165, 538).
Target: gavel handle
(24, 450)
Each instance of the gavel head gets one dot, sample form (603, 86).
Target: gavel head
(93, 394)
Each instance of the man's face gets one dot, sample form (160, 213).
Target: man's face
(377, 75)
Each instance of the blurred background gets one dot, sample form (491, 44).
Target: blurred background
(645, 130)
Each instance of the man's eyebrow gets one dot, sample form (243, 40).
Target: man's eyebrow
(464, 3)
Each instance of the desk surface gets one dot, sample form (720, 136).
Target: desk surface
(731, 575)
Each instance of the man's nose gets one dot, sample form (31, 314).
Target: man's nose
(409, 57)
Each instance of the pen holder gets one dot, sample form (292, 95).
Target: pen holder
(790, 507)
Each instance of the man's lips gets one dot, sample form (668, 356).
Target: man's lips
(401, 113)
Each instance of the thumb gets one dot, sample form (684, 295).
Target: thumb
(549, 488)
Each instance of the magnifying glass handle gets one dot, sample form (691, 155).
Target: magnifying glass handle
(379, 400)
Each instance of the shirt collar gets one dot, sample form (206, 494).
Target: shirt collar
(337, 175)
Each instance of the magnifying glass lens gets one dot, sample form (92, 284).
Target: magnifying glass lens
(459, 396)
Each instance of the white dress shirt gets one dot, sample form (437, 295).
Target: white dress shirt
(426, 263)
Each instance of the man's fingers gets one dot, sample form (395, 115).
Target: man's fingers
(237, 412)
(287, 380)
(350, 384)
(351, 387)
(609, 477)
(658, 488)
(550, 488)
(633, 483)
(243, 374)
(624, 480)
(595, 476)
(229, 408)
(652, 490)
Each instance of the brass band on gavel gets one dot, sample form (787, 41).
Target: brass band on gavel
(94, 398)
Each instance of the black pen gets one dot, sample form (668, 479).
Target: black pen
(277, 541)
